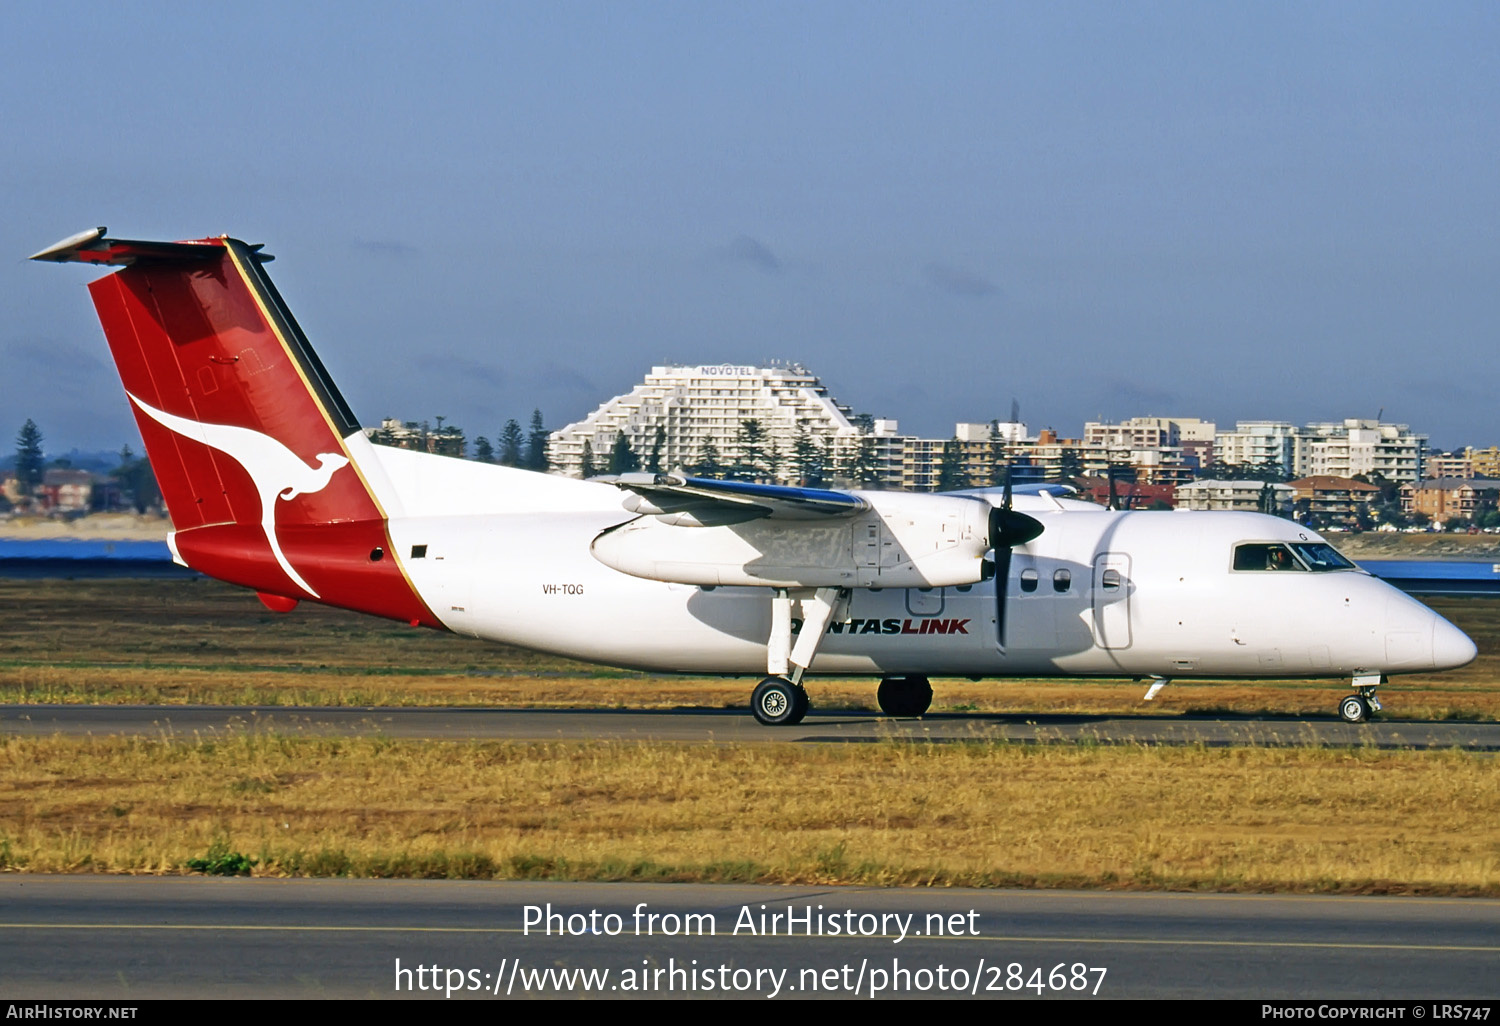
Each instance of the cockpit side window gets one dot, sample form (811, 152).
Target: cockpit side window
(1265, 556)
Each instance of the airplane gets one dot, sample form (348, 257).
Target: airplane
(272, 484)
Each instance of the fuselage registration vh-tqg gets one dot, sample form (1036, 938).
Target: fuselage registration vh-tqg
(271, 484)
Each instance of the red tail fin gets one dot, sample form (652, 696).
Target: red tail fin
(244, 428)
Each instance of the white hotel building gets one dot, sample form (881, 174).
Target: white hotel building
(710, 402)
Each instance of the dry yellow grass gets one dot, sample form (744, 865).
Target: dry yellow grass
(1239, 819)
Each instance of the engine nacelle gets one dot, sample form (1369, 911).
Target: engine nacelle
(904, 540)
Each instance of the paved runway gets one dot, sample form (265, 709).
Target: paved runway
(98, 936)
(734, 726)
(145, 937)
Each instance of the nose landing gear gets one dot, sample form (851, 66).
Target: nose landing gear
(1356, 708)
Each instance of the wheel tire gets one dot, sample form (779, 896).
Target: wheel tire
(804, 704)
(904, 696)
(775, 703)
(1354, 709)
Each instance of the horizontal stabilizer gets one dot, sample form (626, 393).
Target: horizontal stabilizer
(91, 247)
(704, 500)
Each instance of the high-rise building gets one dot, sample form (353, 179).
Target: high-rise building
(682, 415)
(1259, 443)
(1328, 449)
(1356, 446)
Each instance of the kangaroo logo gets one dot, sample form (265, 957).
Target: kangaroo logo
(278, 472)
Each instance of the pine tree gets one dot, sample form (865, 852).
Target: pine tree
(483, 451)
(653, 463)
(751, 465)
(861, 469)
(536, 444)
(951, 470)
(511, 441)
(29, 457)
(1069, 464)
(808, 457)
(587, 467)
(708, 461)
(622, 458)
(999, 464)
(137, 481)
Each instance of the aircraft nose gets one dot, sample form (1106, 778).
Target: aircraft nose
(1451, 647)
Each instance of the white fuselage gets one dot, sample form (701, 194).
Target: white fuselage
(505, 555)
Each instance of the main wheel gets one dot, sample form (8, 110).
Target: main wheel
(1354, 709)
(776, 702)
(803, 705)
(904, 696)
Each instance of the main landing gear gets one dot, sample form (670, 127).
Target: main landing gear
(904, 696)
(777, 702)
(1356, 708)
(780, 700)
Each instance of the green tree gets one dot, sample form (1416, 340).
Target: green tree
(28, 458)
(137, 481)
(1069, 464)
(536, 444)
(951, 467)
(708, 461)
(861, 468)
(622, 458)
(998, 462)
(483, 451)
(751, 465)
(658, 442)
(511, 441)
(809, 458)
(586, 467)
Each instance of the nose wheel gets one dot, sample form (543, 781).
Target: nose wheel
(1356, 708)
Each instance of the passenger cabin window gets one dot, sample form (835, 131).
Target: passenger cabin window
(1028, 580)
(1265, 556)
(1062, 580)
(1110, 580)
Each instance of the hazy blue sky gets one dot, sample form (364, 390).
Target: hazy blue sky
(1203, 209)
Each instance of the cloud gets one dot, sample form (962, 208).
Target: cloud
(745, 250)
(391, 248)
(958, 282)
(1145, 398)
(555, 377)
(474, 372)
(67, 369)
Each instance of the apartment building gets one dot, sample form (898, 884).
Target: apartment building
(1332, 500)
(703, 408)
(1247, 496)
(1450, 498)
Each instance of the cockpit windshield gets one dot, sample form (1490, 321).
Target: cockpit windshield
(1321, 556)
(1315, 556)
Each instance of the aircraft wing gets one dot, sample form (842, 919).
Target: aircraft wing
(704, 501)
